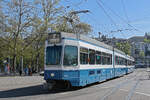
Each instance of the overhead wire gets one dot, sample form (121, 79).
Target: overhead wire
(103, 26)
(133, 28)
(121, 31)
(124, 9)
(107, 16)
(111, 19)
(78, 7)
(100, 4)
(91, 17)
(123, 20)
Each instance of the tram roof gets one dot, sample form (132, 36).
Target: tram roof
(93, 41)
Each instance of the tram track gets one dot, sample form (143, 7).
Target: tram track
(134, 86)
(130, 94)
(132, 90)
(117, 87)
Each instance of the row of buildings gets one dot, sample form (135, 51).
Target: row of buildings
(140, 48)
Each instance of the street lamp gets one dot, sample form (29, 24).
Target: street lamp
(81, 11)
(71, 20)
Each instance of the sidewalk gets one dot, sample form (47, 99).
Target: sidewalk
(10, 74)
(17, 74)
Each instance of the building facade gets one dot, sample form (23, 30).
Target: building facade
(140, 49)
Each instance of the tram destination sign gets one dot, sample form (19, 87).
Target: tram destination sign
(54, 38)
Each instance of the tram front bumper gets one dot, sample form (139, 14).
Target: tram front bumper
(71, 76)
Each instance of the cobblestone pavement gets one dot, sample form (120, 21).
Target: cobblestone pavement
(134, 86)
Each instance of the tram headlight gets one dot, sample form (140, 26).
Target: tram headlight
(52, 74)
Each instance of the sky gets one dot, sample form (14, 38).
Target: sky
(132, 17)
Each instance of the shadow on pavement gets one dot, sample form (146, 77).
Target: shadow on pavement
(38, 90)
(28, 91)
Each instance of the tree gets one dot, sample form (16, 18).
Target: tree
(142, 54)
(71, 23)
(125, 47)
(44, 23)
(24, 26)
(19, 17)
(147, 40)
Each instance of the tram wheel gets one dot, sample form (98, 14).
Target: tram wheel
(68, 85)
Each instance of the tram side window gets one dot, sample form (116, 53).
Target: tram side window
(70, 56)
(116, 60)
(102, 56)
(83, 56)
(121, 61)
(119, 58)
(92, 56)
(109, 59)
(126, 62)
(129, 62)
(104, 59)
(98, 57)
(133, 62)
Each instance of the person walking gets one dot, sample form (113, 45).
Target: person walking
(30, 70)
(20, 72)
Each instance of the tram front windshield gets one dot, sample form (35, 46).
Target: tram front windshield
(70, 56)
(53, 55)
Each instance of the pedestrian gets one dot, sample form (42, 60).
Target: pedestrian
(30, 70)
(26, 71)
(8, 69)
(20, 72)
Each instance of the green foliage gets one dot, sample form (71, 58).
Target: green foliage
(142, 54)
(25, 27)
(83, 28)
(147, 40)
(71, 23)
(125, 47)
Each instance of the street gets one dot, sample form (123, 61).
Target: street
(134, 86)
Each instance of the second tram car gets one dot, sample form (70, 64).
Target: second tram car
(81, 61)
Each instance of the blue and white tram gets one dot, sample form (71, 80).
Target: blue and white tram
(83, 61)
